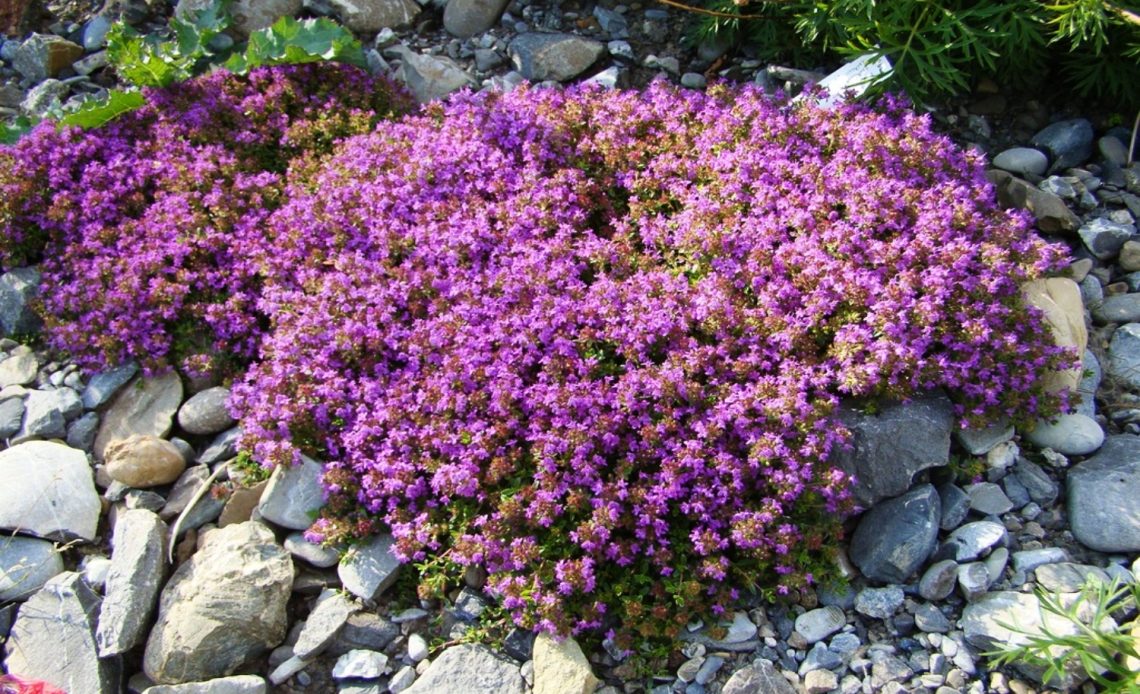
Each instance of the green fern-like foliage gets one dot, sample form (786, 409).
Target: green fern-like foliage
(941, 47)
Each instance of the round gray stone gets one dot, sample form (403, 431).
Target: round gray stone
(206, 412)
(1068, 434)
(816, 625)
(1022, 161)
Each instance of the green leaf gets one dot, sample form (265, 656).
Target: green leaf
(293, 41)
(96, 113)
(11, 132)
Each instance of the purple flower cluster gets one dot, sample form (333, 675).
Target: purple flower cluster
(147, 227)
(589, 341)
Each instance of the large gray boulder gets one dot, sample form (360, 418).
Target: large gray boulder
(1104, 511)
(889, 448)
(466, 18)
(146, 407)
(470, 668)
(49, 491)
(222, 608)
(17, 289)
(895, 537)
(557, 57)
(369, 16)
(53, 639)
(133, 582)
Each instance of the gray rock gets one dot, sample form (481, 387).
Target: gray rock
(889, 448)
(53, 639)
(45, 414)
(1103, 512)
(938, 581)
(760, 677)
(1092, 292)
(1121, 308)
(1053, 215)
(19, 369)
(222, 608)
(470, 668)
(11, 417)
(238, 684)
(820, 682)
(137, 569)
(740, 628)
(1066, 577)
(44, 98)
(486, 59)
(693, 80)
(1103, 238)
(1124, 355)
(328, 617)
(1090, 381)
(369, 568)
(981, 441)
(95, 33)
(557, 57)
(1042, 489)
(1068, 434)
(294, 495)
(223, 447)
(1029, 559)
(929, 619)
(26, 564)
(205, 412)
(106, 384)
(995, 565)
(1069, 143)
(48, 491)
(895, 537)
(1022, 161)
(816, 625)
(972, 540)
(184, 490)
(317, 555)
(365, 665)
(365, 631)
(973, 579)
(988, 499)
(17, 289)
(955, 505)
(982, 622)
(146, 407)
(466, 18)
(430, 78)
(402, 680)
(879, 603)
(370, 16)
(418, 648)
(81, 433)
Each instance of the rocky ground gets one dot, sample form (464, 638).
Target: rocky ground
(134, 550)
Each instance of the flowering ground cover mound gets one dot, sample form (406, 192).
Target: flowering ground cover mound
(588, 340)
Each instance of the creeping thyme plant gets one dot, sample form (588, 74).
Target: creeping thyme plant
(591, 341)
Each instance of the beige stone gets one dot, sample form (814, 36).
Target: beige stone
(143, 461)
(240, 507)
(1129, 258)
(1060, 299)
(560, 667)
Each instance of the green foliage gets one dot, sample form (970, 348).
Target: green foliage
(292, 41)
(1108, 651)
(148, 61)
(939, 47)
(99, 111)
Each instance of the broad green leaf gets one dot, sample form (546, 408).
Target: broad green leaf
(96, 113)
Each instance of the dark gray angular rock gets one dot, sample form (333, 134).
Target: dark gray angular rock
(469, 668)
(103, 385)
(223, 447)
(81, 433)
(205, 412)
(895, 537)
(1102, 497)
(1052, 214)
(889, 448)
(1042, 489)
(955, 505)
(470, 605)
(1105, 238)
(879, 603)
(53, 639)
(466, 18)
(1121, 308)
(222, 608)
(42, 417)
(328, 617)
(26, 564)
(1069, 143)
(981, 441)
(519, 644)
(131, 593)
(557, 57)
(938, 580)
(364, 631)
(1124, 355)
(972, 540)
(929, 619)
(988, 499)
(17, 289)
(1090, 381)
(11, 417)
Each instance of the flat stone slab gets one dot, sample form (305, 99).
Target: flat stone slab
(1102, 497)
(470, 668)
(294, 495)
(368, 569)
(26, 564)
(131, 591)
(48, 491)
